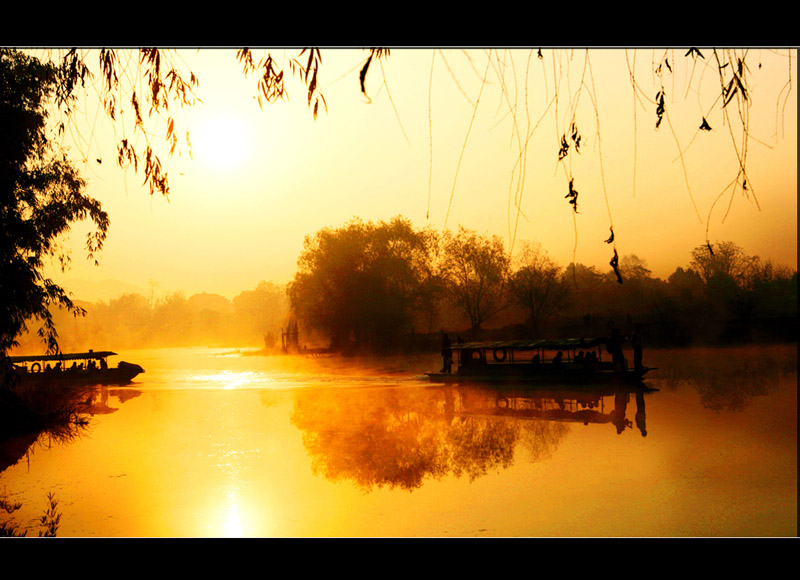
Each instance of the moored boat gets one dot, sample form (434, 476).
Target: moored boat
(83, 368)
(574, 361)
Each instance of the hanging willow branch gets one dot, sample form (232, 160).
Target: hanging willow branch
(362, 75)
(573, 196)
(615, 265)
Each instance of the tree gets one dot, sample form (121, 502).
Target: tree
(740, 285)
(261, 311)
(773, 289)
(723, 268)
(537, 285)
(41, 196)
(475, 270)
(361, 283)
(138, 88)
(723, 260)
(585, 284)
(632, 297)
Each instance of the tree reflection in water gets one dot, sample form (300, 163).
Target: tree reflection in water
(398, 437)
(14, 449)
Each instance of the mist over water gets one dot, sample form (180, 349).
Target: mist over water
(226, 442)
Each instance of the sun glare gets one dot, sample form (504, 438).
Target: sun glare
(223, 142)
(233, 522)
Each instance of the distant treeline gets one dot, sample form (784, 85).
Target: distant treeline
(387, 285)
(252, 318)
(390, 286)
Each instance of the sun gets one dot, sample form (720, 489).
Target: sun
(222, 142)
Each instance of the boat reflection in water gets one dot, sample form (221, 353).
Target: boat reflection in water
(586, 405)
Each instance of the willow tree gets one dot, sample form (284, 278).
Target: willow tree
(143, 90)
(362, 283)
(41, 197)
(41, 188)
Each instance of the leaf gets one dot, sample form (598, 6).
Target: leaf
(729, 91)
(615, 265)
(694, 52)
(362, 76)
(564, 149)
(611, 238)
(660, 108)
(576, 138)
(704, 126)
(573, 195)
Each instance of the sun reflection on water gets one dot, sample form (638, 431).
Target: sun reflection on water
(228, 380)
(233, 520)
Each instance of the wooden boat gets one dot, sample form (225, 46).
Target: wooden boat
(573, 361)
(84, 368)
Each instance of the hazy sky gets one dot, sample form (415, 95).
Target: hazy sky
(261, 180)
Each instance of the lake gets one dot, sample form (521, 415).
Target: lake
(220, 443)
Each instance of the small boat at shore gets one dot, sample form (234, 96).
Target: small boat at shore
(83, 368)
(573, 361)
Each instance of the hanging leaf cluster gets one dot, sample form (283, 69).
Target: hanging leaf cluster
(309, 75)
(614, 263)
(564, 149)
(660, 107)
(735, 84)
(694, 53)
(572, 194)
(565, 145)
(270, 82)
(362, 75)
(165, 85)
(666, 62)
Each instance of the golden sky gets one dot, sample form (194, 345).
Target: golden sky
(440, 147)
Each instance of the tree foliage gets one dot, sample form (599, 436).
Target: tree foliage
(139, 89)
(41, 196)
(475, 270)
(173, 320)
(362, 282)
(537, 285)
(42, 191)
(739, 285)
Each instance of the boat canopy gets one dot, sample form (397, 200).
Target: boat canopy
(101, 354)
(559, 343)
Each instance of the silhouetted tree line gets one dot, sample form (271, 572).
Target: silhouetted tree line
(253, 318)
(388, 285)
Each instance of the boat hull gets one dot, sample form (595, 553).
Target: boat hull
(121, 375)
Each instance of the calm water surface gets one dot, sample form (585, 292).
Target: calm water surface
(213, 444)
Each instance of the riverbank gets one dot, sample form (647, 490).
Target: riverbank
(43, 407)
